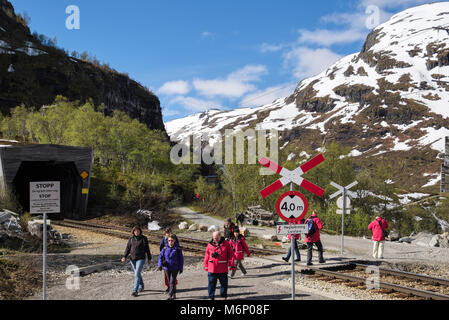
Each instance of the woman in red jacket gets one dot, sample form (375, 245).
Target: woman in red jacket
(377, 226)
(218, 259)
(239, 246)
(314, 239)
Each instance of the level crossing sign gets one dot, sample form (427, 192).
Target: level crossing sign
(294, 176)
(292, 206)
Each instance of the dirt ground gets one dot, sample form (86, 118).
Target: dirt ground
(268, 278)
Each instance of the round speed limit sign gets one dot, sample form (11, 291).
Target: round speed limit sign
(292, 206)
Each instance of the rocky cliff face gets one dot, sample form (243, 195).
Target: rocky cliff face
(386, 102)
(33, 73)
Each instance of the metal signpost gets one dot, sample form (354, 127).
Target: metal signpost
(44, 199)
(292, 206)
(344, 203)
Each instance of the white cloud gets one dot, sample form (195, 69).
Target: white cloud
(307, 62)
(268, 95)
(208, 35)
(326, 37)
(388, 4)
(174, 87)
(234, 86)
(266, 47)
(169, 112)
(195, 105)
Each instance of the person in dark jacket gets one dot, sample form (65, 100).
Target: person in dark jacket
(239, 218)
(171, 260)
(138, 250)
(229, 227)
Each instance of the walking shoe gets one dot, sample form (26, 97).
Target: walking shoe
(135, 294)
(285, 259)
(141, 289)
(323, 261)
(309, 263)
(297, 260)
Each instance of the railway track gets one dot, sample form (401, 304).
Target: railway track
(389, 281)
(188, 244)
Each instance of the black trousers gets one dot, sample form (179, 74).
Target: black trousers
(310, 248)
(171, 276)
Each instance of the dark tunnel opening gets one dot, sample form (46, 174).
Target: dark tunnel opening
(65, 172)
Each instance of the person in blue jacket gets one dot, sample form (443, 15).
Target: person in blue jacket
(171, 260)
(163, 244)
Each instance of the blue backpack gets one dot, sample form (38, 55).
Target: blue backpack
(311, 228)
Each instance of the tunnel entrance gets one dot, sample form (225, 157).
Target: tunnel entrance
(37, 171)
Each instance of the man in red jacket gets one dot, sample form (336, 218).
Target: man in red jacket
(314, 239)
(217, 262)
(377, 226)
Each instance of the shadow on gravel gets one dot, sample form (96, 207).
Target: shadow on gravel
(268, 266)
(277, 297)
(205, 288)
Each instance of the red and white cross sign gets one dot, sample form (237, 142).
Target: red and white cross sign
(294, 176)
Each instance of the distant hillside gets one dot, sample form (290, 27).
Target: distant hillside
(386, 103)
(34, 73)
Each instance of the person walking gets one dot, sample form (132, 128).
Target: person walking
(313, 237)
(239, 218)
(171, 260)
(295, 239)
(378, 226)
(164, 244)
(218, 259)
(239, 246)
(228, 229)
(138, 250)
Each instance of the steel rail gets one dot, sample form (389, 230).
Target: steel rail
(385, 285)
(100, 229)
(410, 275)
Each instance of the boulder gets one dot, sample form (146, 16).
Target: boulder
(203, 228)
(405, 239)
(35, 228)
(444, 242)
(270, 237)
(213, 229)
(244, 232)
(394, 235)
(183, 226)
(422, 239)
(435, 241)
(194, 227)
(285, 239)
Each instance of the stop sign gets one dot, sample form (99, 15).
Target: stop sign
(292, 206)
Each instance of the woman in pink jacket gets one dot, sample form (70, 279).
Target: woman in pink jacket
(239, 246)
(218, 259)
(377, 226)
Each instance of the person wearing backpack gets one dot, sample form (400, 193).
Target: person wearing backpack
(289, 253)
(379, 228)
(239, 246)
(164, 244)
(171, 260)
(314, 225)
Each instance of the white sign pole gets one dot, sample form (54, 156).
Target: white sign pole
(343, 221)
(44, 234)
(293, 257)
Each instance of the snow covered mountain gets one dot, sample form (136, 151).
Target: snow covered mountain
(389, 102)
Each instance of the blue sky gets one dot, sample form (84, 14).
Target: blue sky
(196, 55)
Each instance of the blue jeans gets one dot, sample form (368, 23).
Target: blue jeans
(298, 256)
(213, 277)
(137, 267)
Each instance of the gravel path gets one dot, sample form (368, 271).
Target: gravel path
(268, 279)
